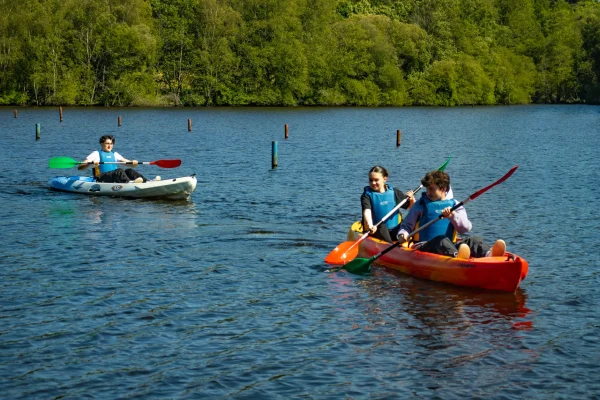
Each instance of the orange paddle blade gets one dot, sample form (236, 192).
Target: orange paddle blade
(340, 255)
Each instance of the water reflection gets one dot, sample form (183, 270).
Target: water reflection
(432, 312)
(437, 305)
(434, 332)
(61, 214)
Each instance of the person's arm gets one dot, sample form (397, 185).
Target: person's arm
(459, 219)
(120, 158)
(410, 221)
(411, 199)
(365, 202)
(93, 157)
(399, 196)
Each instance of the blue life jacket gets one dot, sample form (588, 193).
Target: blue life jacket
(381, 204)
(105, 157)
(432, 210)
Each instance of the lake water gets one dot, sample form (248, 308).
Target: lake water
(227, 295)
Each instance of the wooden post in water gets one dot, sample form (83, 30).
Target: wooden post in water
(15, 112)
(119, 120)
(287, 133)
(398, 137)
(189, 124)
(60, 113)
(37, 131)
(274, 157)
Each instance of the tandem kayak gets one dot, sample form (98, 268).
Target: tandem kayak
(172, 189)
(495, 273)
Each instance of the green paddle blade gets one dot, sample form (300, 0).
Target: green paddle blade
(443, 167)
(359, 266)
(62, 162)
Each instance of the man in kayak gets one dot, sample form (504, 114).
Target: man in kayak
(438, 237)
(109, 172)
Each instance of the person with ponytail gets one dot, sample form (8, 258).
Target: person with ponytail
(377, 200)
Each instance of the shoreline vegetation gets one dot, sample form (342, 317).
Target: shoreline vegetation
(160, 53)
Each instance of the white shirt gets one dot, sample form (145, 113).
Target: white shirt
(95, 156)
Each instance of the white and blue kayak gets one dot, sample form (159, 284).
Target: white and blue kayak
(172, 189)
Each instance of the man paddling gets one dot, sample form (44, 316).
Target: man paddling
(109, 173)
(438, 238)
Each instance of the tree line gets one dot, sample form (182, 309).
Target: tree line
(299, 52)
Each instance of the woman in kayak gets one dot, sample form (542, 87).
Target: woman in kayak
(109, 172)
(377, 200)
(438, 237)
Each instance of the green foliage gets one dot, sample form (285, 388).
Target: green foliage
(589, 64)
(299, 52)
(437, 85)
(557, 72)
(514, 76)
(523, 29)
(473, 84)
(13, 98)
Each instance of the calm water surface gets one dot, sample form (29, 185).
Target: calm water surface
(227, 295)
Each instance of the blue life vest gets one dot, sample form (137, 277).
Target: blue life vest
(105, 157)
(382, 204)
(432, 210)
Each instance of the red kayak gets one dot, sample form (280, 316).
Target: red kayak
(495, 273)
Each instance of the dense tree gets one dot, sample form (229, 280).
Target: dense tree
(77, 52)
(557, 73)
(589, 63)
(514, 76)
(299, 52)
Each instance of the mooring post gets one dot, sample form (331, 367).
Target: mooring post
(189, 124)
(15, 112)
(119, 120)
(37, 131)
(398, 137)
(274, 157)
(287, 132)
(60, 113)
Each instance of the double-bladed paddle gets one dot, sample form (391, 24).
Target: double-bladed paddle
(67, 162)
(347, 251)
(363, 265)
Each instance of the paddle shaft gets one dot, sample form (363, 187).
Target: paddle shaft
(443, 167)
(67, 162)
(118, 162)
(160, 163)
(433, 221)
(385, 218)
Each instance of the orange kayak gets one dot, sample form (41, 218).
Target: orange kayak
(495, 273)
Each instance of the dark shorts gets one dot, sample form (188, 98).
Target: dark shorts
(120, 176)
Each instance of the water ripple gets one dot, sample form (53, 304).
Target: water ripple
(226, 296)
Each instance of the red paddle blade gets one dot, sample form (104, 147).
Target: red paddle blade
(167, 163)
(340, 255)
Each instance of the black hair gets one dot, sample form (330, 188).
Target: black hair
(103, 138)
